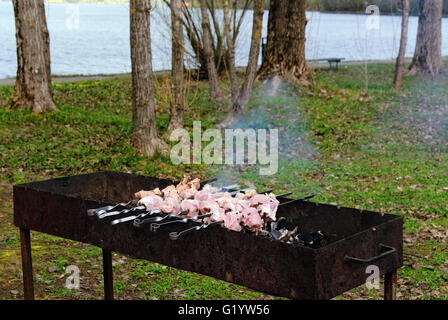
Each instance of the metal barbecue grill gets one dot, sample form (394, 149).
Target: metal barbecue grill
(357, 239)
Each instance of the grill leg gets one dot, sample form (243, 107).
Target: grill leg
(27, 264)
(108, 276)
(390, 285)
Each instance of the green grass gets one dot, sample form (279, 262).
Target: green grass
(387, 151)
(91, 131)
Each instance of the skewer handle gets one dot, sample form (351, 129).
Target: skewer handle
(297, 200)
(139, 222)
(155, 226)
(177, 235)
(284, 194)
(116, 213)
(208, 181)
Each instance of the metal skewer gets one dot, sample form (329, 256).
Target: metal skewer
(177, 235)
(156, 226)
(99, 211)
(139, 221)
(208, 181)
(116, 213)
(234, 193)
(159, 219)
(284, 194)
(297, 200)
(140, 216)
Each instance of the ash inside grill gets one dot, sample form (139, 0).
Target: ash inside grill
(288, 232)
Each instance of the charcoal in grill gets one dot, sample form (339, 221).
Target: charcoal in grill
(314, 240)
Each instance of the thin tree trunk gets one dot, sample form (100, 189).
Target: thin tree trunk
(33, 83)
(428, 50)
(398, 81)
(285, 50)
(254, 53)
(145, 137)
(177, 69)
(241, 103)
(219, 35)
(230, 53)
(215, 92)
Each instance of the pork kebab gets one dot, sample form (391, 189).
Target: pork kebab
(243, 210)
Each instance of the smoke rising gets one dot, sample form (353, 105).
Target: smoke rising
(276, 105)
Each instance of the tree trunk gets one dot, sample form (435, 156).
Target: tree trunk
(230, 53)
(240, 104)
(428, 50)
(215, 92)
(252, 66)
(177, 67)
(33, 83)
(403, 42)
(145, 137)
(285, 50)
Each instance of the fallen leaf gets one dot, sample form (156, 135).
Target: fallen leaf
(53, 269)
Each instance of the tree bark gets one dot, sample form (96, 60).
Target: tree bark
(252, 67)
(145, 137)
(33, 83)
(285, 50)
(215, 92)
(428, 50)
(230, 53)
(177, 67)
(398, 80)
(241, 103)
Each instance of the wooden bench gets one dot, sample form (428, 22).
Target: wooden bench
(332, 61)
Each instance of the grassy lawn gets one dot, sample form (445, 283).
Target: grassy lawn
(385, 151)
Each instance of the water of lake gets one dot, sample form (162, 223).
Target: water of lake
(94, 38)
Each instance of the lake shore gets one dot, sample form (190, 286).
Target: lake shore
(76, 78)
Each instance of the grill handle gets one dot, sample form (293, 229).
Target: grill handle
(390, 250)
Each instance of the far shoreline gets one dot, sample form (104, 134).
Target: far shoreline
(105, 76)
(85, 77)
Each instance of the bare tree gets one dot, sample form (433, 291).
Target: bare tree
(192, 25)
(285, 50)
(230, 53)
(145, 137)
(33, 83)
(398, 80)
(177, 66)
(215, 92)
(428, 50)
(240, 104)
